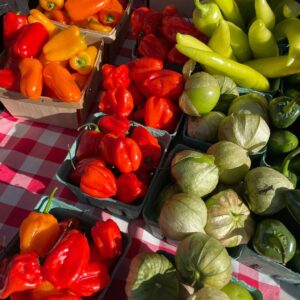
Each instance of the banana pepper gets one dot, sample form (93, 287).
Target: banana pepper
(83, 61)
(36, 16)
(264, 12)
(65, 44)
(51, 4)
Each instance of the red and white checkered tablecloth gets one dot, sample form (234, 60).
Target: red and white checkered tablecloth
(30, 154)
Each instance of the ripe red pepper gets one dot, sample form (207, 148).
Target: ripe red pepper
(107, 238)
(114, 124)
(140, 67)
(66, 261)
(173, 24)
(12, 23)
(138, 115)
(31, 40)
(115, 76)
(23, 273)
(127, 155)
(149, 145)
(117, 101)
(10, 79)
(138, 97)
(11, 60)
(62, 296)
(175, 57)
(153, 46)
(130, 188)
(20, 296)
(106, 147)
(164, 83)
(98, 182)
(161, 113)
(169, 10)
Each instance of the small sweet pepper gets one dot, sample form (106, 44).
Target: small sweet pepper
(51, 4)
(36, 16)
(112, 14)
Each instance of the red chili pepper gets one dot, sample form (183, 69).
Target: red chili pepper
(23, 273)
(149, 145)
(12, 23)
(106, 147)
(98, 182)
(115, 76)
(127, 154)
(130, 188)
(66, 261)
(10, 79)
(108, 238)
(164, 83)
(114, 124)
(173, 24)
(161, 113)
(153, 46)
(93, 278)
(31, 40)
(140, 67)
(175, 57)
(117, 101)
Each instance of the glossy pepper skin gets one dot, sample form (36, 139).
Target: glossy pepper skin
(127, 154)
(272, 239)
(98, 182)
(31, 40)
(31, 82)
(95, 25)
(107, 238)
(23, 273)
(59, 15)
(106, 147)
(39, 231)
(10, 79)
(112, 14)
(286, 164)
(284, 111)
(115, 76)
(292, 199)
(114, 124)
(81, 10)
(49, 5)
(60, 80)
(66, 261)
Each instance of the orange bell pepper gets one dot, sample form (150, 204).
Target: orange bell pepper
(80, 79)
(81, 10)
(36, 16)
(83, 62)
(64, 44)
(31, 83)
(112, 14)
(61, 82)
(51, 4)
(39, 231)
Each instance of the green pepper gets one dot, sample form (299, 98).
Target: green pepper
(265, 13)
(292, 199)
(284, 111)
(294, 263)
(285, 166)
(272, 239)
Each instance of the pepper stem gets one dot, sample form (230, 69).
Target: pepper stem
(92, 125)
(201, 7)
(48, 205)
(290, 106)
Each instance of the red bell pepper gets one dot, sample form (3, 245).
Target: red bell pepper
(115, 76)
(106, 147)
(96, 257)
(11, 60)
(161, 113)
(98, 182)
(117, 102)
(107, 238)
(144, 175)
(153, 46)
(175, 57)
(173, 24)
(12, 24)
(164, 83)
(114, 124)
(23, 273)
(127, 155)
(149, 145)
(93, 278)
(31, 40)
(130, 188)
(141, 67)
(10, 79)
(138, 115)
(66, 261)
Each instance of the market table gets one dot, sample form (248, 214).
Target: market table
(30, 154)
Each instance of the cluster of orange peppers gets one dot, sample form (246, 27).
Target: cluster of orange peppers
(99, 15)
(50, 62)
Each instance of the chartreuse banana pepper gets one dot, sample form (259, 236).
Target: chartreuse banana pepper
(261, 40)
(64, 44)
(51, 4)
(291, 9)
(285, 167)
(264, 12)
(231, 12)
(206, 16)
(290, 29)
(83, 61)
(36, 16)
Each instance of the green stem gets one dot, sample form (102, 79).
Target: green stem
(92, 125)
(287, 160)
(48, 205)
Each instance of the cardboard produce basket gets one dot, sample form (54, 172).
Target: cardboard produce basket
(54, 111)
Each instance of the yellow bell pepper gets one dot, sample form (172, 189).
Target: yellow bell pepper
(51, 4)
(64, 44)
(83, 61)
(36, 16)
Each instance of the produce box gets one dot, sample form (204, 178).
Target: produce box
(62, 211)
(54, 111)
(114, 206)
(185, 8)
